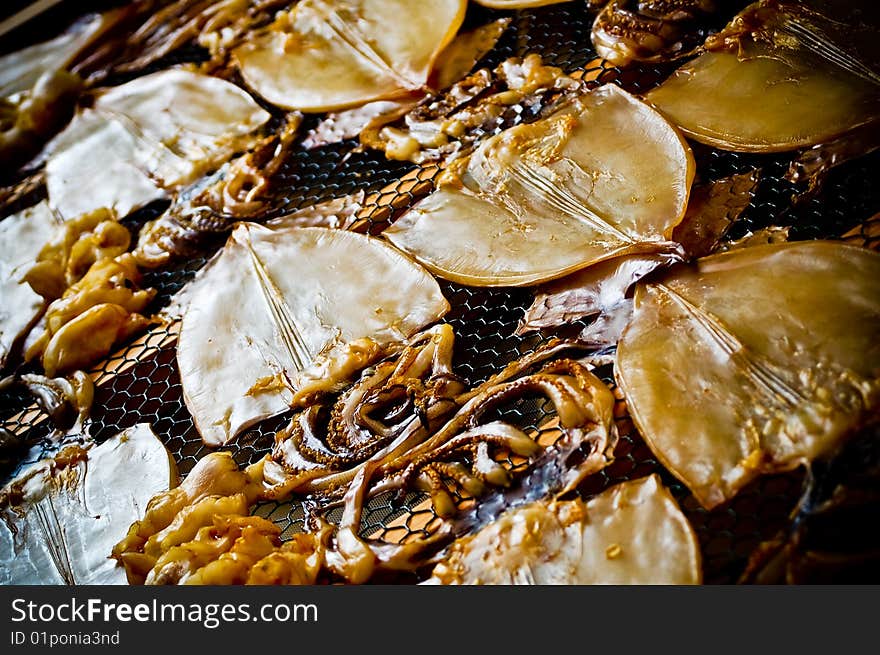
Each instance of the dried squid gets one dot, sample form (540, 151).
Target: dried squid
(407, 424)
(451, 122)
(321, 449)
(37, 91)
(67, 401)
(602, 289)
(324, 55)
(153, 134)
(439, 441)
(633, 533)
(92, 285)
(651, 30)
(22, 237)
(34, 116)
(451, 69)
(832, 536)
(284, 314)
(518, 4)
(604, 176)
(61, 520)
(594, 290)
(712, 210)
(779, 77)
(202, 533)
(753, 361)
(100, 310)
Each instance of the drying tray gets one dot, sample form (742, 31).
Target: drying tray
(141, 383)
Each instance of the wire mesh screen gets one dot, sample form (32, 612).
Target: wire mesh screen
(141, 383)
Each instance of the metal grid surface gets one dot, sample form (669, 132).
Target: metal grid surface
(140, 383)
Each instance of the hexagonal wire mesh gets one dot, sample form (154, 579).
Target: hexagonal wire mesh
(140, 383)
